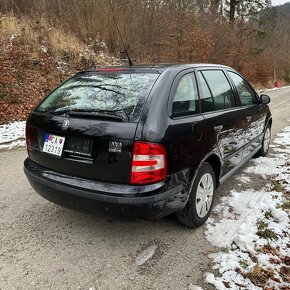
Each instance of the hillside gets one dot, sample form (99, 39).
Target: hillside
(283, 10)
(34, 58)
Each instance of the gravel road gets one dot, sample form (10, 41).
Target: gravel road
(44, 246)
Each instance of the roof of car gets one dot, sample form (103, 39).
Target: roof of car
(155, 67)
(163, 66)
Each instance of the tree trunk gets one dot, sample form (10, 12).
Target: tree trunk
(233, 6)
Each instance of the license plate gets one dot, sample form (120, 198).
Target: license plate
(53, 144)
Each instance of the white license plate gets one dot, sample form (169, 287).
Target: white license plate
(53, 144)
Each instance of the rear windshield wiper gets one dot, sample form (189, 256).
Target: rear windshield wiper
(112, 114)
(94, 114)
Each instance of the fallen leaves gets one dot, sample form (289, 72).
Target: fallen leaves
(227, 284)
(28, 75)
(285, 273)
(270, 250)
(274, 261)
(286, 260)
(24, 81)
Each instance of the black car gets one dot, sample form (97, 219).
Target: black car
(145, 141)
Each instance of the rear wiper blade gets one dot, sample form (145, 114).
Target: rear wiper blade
(113, 114)
(93, 114)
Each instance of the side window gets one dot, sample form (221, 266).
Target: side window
(185, 100)
(246, 94)
(207, 103)
(220, 88)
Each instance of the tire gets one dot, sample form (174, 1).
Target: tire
(200, 202)
(265, 143)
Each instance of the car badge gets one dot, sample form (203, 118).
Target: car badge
(65, 124)
(115, 147)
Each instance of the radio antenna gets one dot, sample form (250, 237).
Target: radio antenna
(120, 35)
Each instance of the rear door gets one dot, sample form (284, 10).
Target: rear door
(223, 119)
(96, 114)
(253, 111)
(185, 129)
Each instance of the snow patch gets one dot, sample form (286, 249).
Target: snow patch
(194, 287)
(243, 178)
(12, 135)
(146, 255)
(266, 165)
(240, 212)
(253, 227)
(283, 138)
(273, 89)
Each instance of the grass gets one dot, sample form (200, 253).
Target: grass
(258, 276)
(265, 232)
(58, 42)
(268, 215)
(261, 225)
(244, 264)
(268, 234)
(286, 204)
(277, 186)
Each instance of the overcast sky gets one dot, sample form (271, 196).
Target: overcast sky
(278, 2)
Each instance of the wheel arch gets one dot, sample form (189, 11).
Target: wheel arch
(215, 161)
(186, 216)
(216, 165)
(269, 121)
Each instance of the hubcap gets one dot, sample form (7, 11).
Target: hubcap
(267, 138)
(204, 195)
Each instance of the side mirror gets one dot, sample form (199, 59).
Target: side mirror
(265, 99)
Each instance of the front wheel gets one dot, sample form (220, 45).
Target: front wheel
(199, 205)
(265, 142)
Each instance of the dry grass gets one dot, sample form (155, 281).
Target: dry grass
(61, 42)
(34, 58)
(38, 35)
(258, 276)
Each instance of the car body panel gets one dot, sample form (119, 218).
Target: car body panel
(102, 165)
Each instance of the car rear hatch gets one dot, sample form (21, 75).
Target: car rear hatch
(86, 127)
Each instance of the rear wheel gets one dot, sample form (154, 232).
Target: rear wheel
(200, 202)
(265, 142)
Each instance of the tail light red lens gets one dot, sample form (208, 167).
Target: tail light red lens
(148, 163)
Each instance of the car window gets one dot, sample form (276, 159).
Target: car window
(246, 94)
(114, 93)
(220, 88)
(207, 102)
(185, 100)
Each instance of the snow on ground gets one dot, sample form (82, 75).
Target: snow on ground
(194, 287)
(272, 89)
(12, 135)
(252, 227)
(146, 255)
(243, 178)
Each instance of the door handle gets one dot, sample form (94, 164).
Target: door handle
(249, 118)
(218, 128)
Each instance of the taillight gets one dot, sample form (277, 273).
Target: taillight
(148, 163)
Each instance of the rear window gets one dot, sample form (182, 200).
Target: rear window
(115, 94)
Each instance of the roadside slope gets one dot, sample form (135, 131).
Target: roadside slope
(34, 58)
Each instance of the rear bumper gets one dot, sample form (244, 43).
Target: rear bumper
(106, 199)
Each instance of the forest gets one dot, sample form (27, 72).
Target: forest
(39, 36)
(250, 36)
